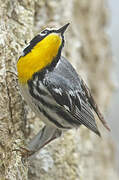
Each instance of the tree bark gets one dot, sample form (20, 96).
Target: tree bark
(78, 154)
(16, 25)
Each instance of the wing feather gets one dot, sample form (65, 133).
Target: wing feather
(67, 96)
(86, 117)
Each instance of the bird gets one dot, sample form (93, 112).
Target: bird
(53, 89)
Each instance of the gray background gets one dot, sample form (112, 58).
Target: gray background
(113, 111)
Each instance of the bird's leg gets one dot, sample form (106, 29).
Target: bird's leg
(45, 136)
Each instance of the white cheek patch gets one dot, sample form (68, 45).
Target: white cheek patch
(43, 34)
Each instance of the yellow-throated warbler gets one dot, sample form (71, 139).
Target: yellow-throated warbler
(53, 89)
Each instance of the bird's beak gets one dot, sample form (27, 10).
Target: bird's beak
(62, 29)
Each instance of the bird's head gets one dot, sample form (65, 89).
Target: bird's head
(41, 52)
(52, 38)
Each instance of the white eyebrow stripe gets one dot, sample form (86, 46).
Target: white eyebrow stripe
(49, 29)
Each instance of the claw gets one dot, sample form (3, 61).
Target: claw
(25, 152)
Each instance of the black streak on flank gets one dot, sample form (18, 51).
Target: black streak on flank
(51, 118)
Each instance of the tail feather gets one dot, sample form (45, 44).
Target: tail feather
(86, 117)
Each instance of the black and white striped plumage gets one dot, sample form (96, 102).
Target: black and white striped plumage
(60, 97)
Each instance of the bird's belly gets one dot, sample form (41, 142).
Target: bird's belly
(48, 116)
(31, 102)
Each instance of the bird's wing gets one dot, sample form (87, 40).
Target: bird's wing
(69, 98)
(63, 92)
(87, 95)
(67, 71)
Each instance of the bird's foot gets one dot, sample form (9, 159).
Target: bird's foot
(25, 152)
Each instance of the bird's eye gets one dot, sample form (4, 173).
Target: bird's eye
(45, 32)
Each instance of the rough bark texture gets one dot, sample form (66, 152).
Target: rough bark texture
(16, 25)
(78, 154)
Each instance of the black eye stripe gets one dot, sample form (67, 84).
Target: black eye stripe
(35, 40)
(32, 43)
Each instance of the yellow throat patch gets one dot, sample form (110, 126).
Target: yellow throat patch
(39, 57)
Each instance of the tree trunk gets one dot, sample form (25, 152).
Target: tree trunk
(78, 154)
